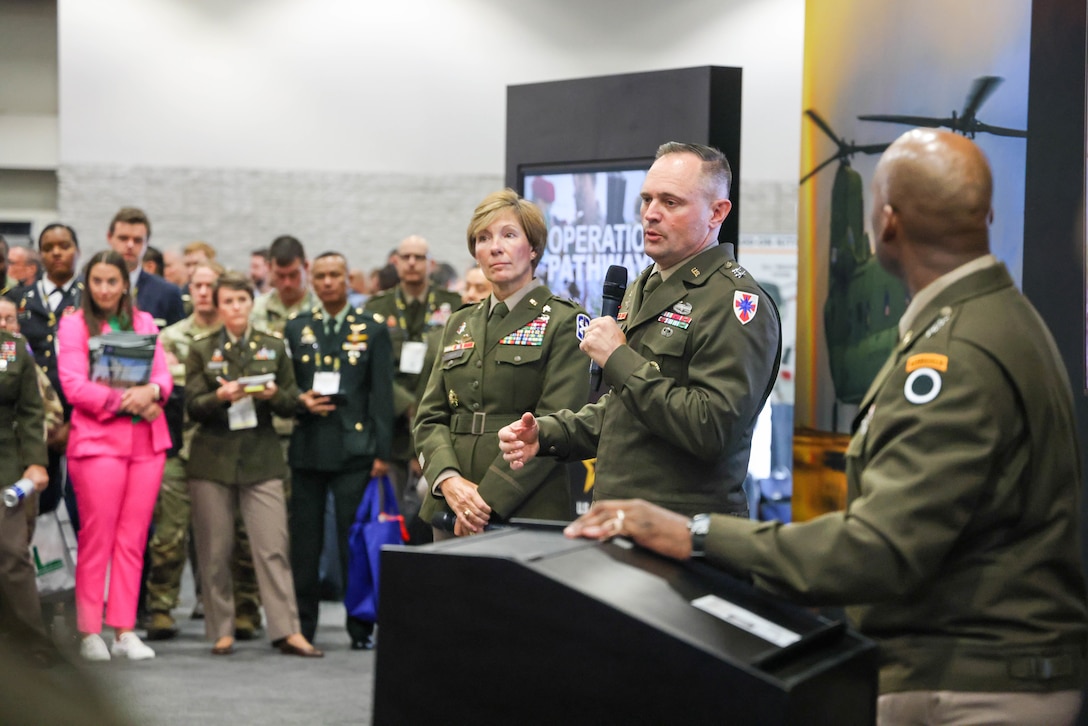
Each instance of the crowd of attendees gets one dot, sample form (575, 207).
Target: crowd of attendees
(195, 460)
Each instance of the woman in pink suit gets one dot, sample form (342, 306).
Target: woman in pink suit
(116, 451)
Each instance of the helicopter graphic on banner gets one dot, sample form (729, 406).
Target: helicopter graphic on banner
(864, 302)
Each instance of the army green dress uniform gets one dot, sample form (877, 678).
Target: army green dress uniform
(169, 546)
(22, 443)
(270, 315)
(245, 466)
(408, 322)
(960, 539)
(702, 354)
(480, 384)
(39, 316)
(335, 452)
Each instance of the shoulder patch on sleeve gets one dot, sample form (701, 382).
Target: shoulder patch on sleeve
(927, 360)
(745, 306)
(922, 386)
(581, 323)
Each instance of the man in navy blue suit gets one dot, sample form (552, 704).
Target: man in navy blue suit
(129, 232)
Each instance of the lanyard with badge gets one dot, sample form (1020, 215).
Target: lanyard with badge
(413, 352)
(326, 382)
(241, 414)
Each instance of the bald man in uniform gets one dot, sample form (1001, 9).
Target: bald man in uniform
(959, 549)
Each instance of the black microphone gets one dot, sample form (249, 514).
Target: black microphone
(444, 521)
(615, 285)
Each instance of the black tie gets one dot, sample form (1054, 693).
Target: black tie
(415, 317)
(651, 284)
(495, 322)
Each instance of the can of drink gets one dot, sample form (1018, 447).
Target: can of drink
(17, 492)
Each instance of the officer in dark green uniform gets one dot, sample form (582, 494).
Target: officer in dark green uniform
(516, 350)
(960, 545)
(343, 361)
(22, 455)
(690, 359)
(411, 309)
(236, 462)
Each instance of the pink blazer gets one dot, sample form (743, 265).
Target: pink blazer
(97, 428)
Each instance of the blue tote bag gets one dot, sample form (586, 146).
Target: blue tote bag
(377, 522)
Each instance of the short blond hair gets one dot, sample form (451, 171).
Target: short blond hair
(529, 216)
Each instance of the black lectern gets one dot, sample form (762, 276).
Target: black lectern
(524, 626)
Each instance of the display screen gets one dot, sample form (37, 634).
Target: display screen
(592, 211)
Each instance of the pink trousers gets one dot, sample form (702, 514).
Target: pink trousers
(116, 498)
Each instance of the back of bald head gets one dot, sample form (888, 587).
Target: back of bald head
(940, 186)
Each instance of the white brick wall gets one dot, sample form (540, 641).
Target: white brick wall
(362, 215)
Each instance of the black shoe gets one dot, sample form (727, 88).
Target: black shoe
(366, 643)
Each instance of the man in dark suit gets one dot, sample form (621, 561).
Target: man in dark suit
(343, 362)
(129, 232)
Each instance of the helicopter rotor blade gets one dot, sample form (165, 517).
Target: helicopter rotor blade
(824, 126)
(806, 177)
(870, 149)
(927, 121)
(1001, 131)
(981, 89)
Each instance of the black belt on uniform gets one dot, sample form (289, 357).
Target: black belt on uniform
(480, 422)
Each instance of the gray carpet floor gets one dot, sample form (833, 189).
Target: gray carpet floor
(185, 684)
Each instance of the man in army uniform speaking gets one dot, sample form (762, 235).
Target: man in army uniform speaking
(343, 363)
(960, 546)
(690, 358)
(411, 309)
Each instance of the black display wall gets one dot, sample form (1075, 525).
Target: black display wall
(1054, 210)
(625, 117)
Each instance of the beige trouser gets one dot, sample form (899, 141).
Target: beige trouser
(265, 515)
(955, 708)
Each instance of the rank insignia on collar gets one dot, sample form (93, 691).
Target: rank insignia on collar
(745, 305)
(546, 309)
(532, 301)
(695, 271)
(946, 315)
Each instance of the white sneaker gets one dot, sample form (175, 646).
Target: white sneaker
(92, 647)
(130, 646)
